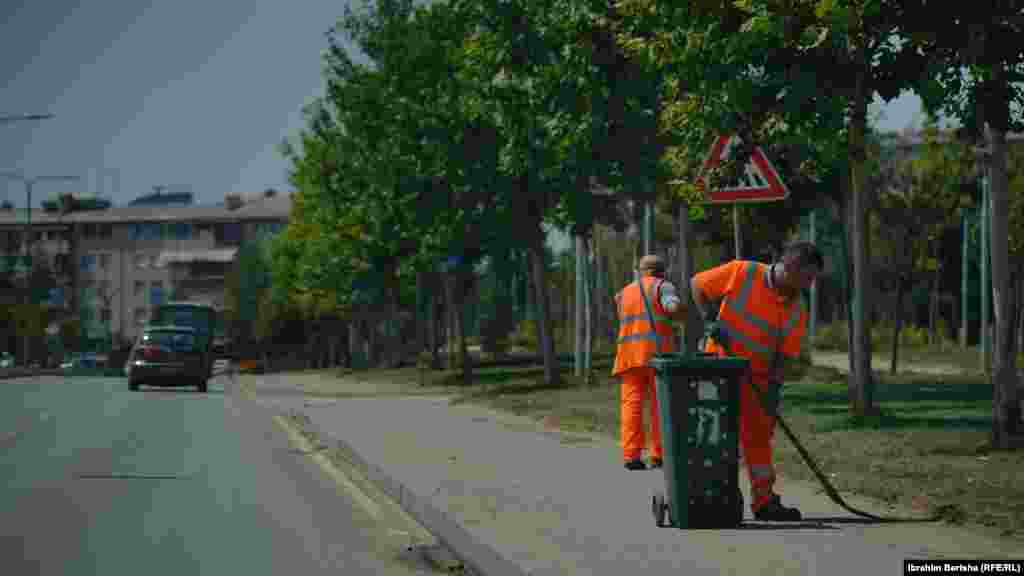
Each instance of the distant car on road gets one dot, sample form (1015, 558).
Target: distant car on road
(80, 360)
(205, 319)
(168, 356)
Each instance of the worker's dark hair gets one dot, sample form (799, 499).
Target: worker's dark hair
(805, 254)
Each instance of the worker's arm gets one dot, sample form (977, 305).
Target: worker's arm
(699, 300)
(712, 285)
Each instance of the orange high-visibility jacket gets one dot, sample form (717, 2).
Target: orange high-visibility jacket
(759, 322)
(636, 343)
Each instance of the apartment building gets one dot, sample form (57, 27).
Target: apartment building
(115, 265)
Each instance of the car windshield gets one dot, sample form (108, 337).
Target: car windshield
(202, 318)
(171, 339)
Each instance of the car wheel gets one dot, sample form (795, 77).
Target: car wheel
(202, 386)
(133, 385)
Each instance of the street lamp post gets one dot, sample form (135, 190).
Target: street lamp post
(29, 183)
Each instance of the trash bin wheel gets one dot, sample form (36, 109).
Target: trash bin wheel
(660, 510)
(738, 519)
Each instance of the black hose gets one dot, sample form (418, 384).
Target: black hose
(833, 494)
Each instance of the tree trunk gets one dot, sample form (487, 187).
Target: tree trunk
(353, 343)
(934, 337)
(433, 322)
(860, 346)
(579, 331)
(846, 290)
(588, 307)
(372, 326)
(597, 298)
(687, 269)
(462, 292)
(1006, 417)
(552, 377)
(897, 326)
(450, 318)
(395, 331)
(421, 317)
(1020, 311)
(310, 350)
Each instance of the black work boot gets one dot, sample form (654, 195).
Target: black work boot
(635, 464)
(774, 511)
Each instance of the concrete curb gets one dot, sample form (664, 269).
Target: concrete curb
(10, 374)
(480, 558)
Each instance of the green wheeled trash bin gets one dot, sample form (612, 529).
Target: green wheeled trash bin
(699, 405)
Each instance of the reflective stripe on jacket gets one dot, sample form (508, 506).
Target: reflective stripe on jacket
(636, 343)
(758, 322)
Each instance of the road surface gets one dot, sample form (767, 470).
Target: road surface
(100, 480)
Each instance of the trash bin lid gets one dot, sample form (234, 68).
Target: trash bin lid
(677, 360)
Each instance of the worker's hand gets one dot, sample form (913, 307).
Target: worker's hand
(717, 332)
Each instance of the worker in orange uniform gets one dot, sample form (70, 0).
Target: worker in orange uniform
(761, 318)
(636, 345)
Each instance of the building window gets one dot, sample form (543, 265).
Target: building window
(141, 261)
(60, 263)
(106, 231)
(140, 287)
(88, 263)
(228, 233)
(140, 316)
(156, 293)
(181, 230)
(105, 315)
(147, 231)
(104, 261)
(56, 296)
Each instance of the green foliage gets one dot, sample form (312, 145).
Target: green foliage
(834, 336)
(29, 319)
(525, 335)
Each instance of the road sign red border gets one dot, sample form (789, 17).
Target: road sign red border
(774, 192)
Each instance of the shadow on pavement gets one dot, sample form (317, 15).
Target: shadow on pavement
(180, 390)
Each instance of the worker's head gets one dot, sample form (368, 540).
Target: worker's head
(801, 264)
(652, 265)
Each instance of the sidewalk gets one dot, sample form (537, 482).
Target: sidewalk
(510, 497)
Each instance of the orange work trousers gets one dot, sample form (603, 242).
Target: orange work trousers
(757, 427)
(638, 386)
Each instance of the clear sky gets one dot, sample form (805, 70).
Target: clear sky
(195, 95)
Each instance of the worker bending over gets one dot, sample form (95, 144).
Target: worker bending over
(761, 318)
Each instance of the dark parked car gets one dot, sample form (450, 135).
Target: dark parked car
(207, 320)
(167, 356)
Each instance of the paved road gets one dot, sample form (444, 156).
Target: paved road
(100, 480)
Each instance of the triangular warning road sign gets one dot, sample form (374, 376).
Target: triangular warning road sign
(760, 181)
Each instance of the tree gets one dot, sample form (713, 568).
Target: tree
(579, 112)
(754, 68)
(975, 77)
(247, 283)
(919, 198)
